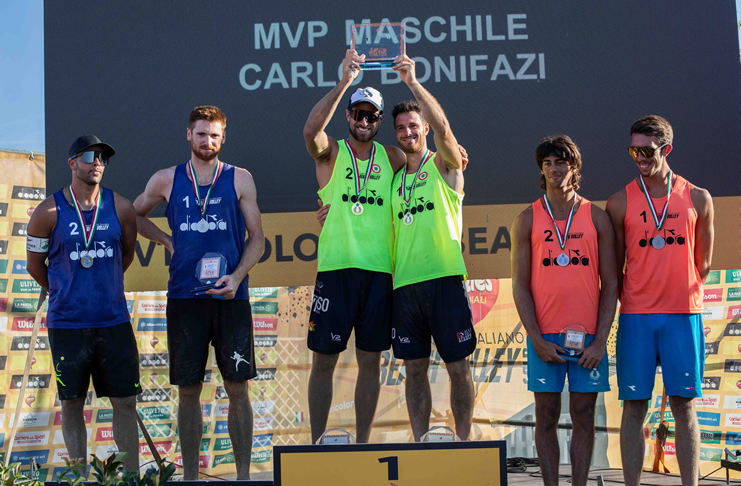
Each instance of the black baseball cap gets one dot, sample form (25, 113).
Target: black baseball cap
(87, 141)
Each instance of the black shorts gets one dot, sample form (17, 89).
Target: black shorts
(194, 323)
(346, 299)
(437, 308)
(108, 354)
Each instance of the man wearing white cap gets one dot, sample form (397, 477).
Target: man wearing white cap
(353, 286)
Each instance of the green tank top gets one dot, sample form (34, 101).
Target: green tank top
(350, 240)
(430, 246)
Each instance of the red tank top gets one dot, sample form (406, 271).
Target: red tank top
(663, 281)
(567, 294)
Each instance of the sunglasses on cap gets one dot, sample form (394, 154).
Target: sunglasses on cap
(89, 157)
(647, 152)
(371, 116)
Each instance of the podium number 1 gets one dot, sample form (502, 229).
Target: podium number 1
(393, 466)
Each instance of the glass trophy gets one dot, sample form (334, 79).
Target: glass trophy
(209, 269)
(336, 436)
(380, 43)
(573, 342)
(440, 434)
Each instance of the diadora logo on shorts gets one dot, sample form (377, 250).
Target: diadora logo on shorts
(542, 380)
(335, 337)
(711, 383)
(464, 335)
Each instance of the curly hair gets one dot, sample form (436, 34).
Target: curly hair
(562, 147)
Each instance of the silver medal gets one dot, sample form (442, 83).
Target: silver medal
(202, 226)
(562, 260)
(357, 209)
(658, 242)
(408, 219)
(86, 261)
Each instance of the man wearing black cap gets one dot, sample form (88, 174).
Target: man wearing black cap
(353, 285)
(88, 234)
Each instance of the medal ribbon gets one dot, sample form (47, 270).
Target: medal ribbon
(659, 223)
(358, 188)
(88, 235)
(408, 200)
(562, 239)
(203, 204)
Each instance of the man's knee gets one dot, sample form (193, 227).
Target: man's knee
(123, 404)
(237, 390)
(635, 409)
(416, 369)
(324, 363)
(547, 410)
(459, 371)
(683, 409)
(368, 362)
(190, 393)
(73, 406)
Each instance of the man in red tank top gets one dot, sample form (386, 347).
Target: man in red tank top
(664, 242)
(562, 246)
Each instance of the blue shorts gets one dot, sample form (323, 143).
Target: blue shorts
(545, 377)
(674, 341)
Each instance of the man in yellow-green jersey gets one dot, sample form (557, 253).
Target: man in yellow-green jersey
(430, 299)
(353, 287)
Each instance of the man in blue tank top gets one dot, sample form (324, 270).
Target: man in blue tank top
(210, 205)
(88, 234)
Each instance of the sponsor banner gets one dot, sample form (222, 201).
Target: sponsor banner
(32, 419)
(87, 416)
(266, 308)
(157, 395)
(34, 381)
(205, 445)
(221, 427)
(19, 266)
(158, 378)
(206, 409)
(708, 454)
(708, 418)
(264, 391)
(26, 286)
(263, 407)
(203, 462)
(35, 399)
(153, 360)
(105, 451)
(26, 324)
(264, 292)
(62, 472)
(223, 444)
(732, 276)
(104, 434)
(734, 293)
(31, 439)
(262, 423)
(733, 311)
(22, 304)
(163, 448)
(24, 457)
(261, 456)
(262, 440)
(104, 416)
(711, 383)
(266, 357)
(265, 374)
(148, 343)
(3, 285)
(3, 266)
(23, 343)
(265, 341)
(151, 307)
(157, 430)
(713, 277)
(152, 323)
(59, 438)
(712, 294)
(59, 455)
(39, 362)
(655, 417)
(733, 438)
(40, 475)
(732, 402)
(733, 420)
(154, 413)
(710, 436)
(264, 324)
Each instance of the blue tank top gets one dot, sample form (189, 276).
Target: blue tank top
(80, 297)
(225, 235)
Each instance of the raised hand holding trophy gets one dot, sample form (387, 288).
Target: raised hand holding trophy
(381, 43)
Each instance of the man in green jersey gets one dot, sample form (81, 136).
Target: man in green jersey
(353, 286)
(430, 299)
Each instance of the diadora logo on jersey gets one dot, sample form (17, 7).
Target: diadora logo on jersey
(99, 249)
(213, 223)
(464, 335)
(335, 337)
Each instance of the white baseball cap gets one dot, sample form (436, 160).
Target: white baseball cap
(366, 95)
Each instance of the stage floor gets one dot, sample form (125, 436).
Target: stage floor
(531, 477)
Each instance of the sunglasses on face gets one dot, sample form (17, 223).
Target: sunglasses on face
(89, 157)
(647, 152)
(371, 116)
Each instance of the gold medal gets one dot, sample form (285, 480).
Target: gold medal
(86, 261)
